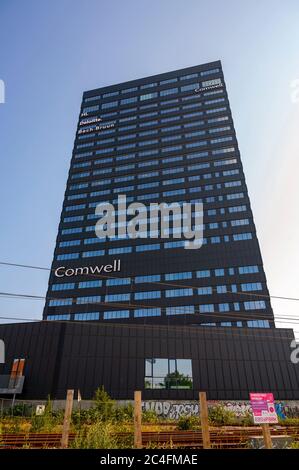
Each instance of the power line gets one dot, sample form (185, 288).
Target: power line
(157, 282)
(129, 305)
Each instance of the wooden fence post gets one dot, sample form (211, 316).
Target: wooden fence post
(137, 420)
(204, 420)
(67, 419)
(267, 436)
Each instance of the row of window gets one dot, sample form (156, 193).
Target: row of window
(169, 120)
(154, 184)
(106, 124)
(158, 141)
(155, 246)
(168, 138)
(178, 171)
(173, 310)
(172, 170)
(175, 161)
(168, 113)
(89, 316)
(205, 290)
(151, 85)
(207, 200)
(152, 96)
(211, 226)
(84, 133)
(157, 196)
(208, 212)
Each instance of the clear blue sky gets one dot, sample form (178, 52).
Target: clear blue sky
(51, 51)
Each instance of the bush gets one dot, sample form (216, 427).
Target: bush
(289, 421)
(186, 423)
(150, 417)
(219, 415)
(104, 404)
(19, 409)
(96, 436)
(246, 419)
(123, 413)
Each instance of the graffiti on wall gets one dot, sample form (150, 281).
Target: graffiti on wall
(175, 409)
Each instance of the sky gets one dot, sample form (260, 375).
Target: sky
(52, 51)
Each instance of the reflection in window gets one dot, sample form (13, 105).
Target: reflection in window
(168, 374)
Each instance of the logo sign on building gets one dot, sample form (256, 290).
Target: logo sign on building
(263, 408)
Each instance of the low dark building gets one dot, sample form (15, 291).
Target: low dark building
(165, 362)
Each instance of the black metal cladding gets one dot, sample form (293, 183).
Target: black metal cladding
(195, 105)
(228, 363)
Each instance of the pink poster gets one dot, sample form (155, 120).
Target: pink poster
(263, 408)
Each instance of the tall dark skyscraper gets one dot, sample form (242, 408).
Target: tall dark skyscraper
(170, 138)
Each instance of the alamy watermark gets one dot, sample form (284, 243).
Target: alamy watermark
(2, 351)
(2, 92)
(294, 354)
(152, 221)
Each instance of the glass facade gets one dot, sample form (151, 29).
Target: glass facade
(167, 138)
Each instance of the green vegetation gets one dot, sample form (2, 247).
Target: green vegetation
(109, 425)
(219, 415)
(186, 423)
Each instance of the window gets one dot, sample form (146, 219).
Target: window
(221, 289)
(258, 324)
(178, 292)
(148, 96)
(191, 87)
(59, 302)
(69, 243)
(209, 72)
(90, 254)
(178, 276)
(206, 308)
(255, 305)
(155, 294)
(168, 91)
(153, 246)
(63, 286)
(251, 286)
(242, 236)
(89, 299)
(59, 317)
(89, 284)
(110, 104)
(67, 256)
(128, 100)
(118, 282)
(111, 315)
(204, 273)
(182, 310)
(87, 316)
(205, 291)
(248, 269)
(168, 374)
(147, 312)
(150, 278)
(223, 307)
(116, 297)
